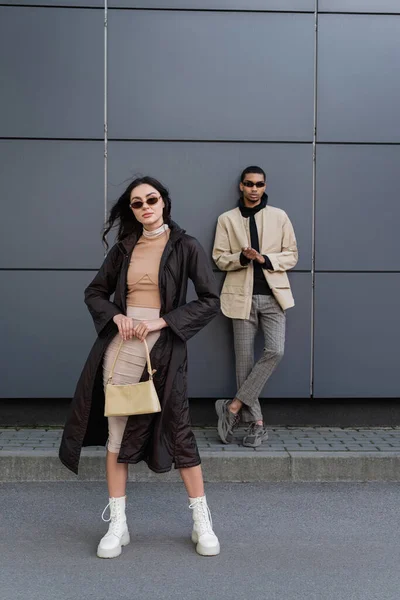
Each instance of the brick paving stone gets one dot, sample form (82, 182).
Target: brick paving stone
(14, 445)
(308, 446)
(228, 448)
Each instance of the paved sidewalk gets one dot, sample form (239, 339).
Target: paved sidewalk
(290, 454)
(290, 439)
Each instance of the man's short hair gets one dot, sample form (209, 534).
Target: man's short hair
(248, 170)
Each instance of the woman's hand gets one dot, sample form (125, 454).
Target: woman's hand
(142, 330)
(125, 326)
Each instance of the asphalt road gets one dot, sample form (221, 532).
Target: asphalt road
(279, 542)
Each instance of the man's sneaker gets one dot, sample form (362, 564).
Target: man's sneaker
(256, 435)
(227, 421)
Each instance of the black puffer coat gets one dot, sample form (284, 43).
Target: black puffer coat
(164, 438)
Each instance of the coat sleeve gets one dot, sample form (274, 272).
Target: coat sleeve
(99, 291)
(222, 254)
(186, 320)
(288, 257)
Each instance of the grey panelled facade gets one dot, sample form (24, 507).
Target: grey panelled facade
(197, 90)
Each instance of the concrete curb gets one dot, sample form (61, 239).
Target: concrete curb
(239, 466)
(345, 466)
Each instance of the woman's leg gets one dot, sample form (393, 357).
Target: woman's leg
(117, 473)
(203, 536)
(117, 535)
(192, 477)
(128, 369)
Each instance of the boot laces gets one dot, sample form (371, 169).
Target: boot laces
(115, 513)
(203, 516)
(102, 515)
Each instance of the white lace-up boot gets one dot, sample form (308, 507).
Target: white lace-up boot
(203, 536)
(117, 535)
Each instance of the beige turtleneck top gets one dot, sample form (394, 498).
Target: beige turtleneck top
(143, 271)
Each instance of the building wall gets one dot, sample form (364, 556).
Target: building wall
(198, 90)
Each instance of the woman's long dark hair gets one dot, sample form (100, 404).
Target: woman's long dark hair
(121, 214)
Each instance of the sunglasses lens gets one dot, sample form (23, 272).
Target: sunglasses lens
(260, 184)
(137, 204)
(152, 201)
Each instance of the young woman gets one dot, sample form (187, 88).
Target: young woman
(147, 270)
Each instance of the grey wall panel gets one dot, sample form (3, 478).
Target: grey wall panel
(358, 83)
(59, 3)
(212, 360)
(53, 194)
(357, 331)
(198, 77)
(247, 5)
(51, 340)
(360, 6)
(52, 82)
(203, 179)
(358, 209)
(48, 331)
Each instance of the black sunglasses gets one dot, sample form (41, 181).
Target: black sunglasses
(250, 184)
(150, 201)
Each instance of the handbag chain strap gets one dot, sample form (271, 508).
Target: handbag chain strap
(148, 361)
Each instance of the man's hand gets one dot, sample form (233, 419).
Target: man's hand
(252, 254)
(260, 259)
(142, 330)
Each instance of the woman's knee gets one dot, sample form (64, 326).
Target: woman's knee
(113, 446)
(116, 428)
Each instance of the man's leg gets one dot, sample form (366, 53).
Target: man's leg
(252, 414)
(244, 332)
(273, 322)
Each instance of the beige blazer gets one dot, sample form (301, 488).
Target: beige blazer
(277, 241)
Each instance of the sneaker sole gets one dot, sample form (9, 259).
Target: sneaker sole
(219, 409)
(255, 445)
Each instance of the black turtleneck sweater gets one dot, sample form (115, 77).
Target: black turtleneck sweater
(260, 285)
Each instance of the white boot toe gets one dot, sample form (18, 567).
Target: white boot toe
(206, 544)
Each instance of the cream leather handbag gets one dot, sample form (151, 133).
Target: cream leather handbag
(133, 398)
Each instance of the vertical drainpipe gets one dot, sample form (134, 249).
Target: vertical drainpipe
(105, 111)
(314, 189)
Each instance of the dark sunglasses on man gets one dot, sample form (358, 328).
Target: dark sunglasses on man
(257, 184)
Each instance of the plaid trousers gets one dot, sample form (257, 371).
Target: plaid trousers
(250, 377)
